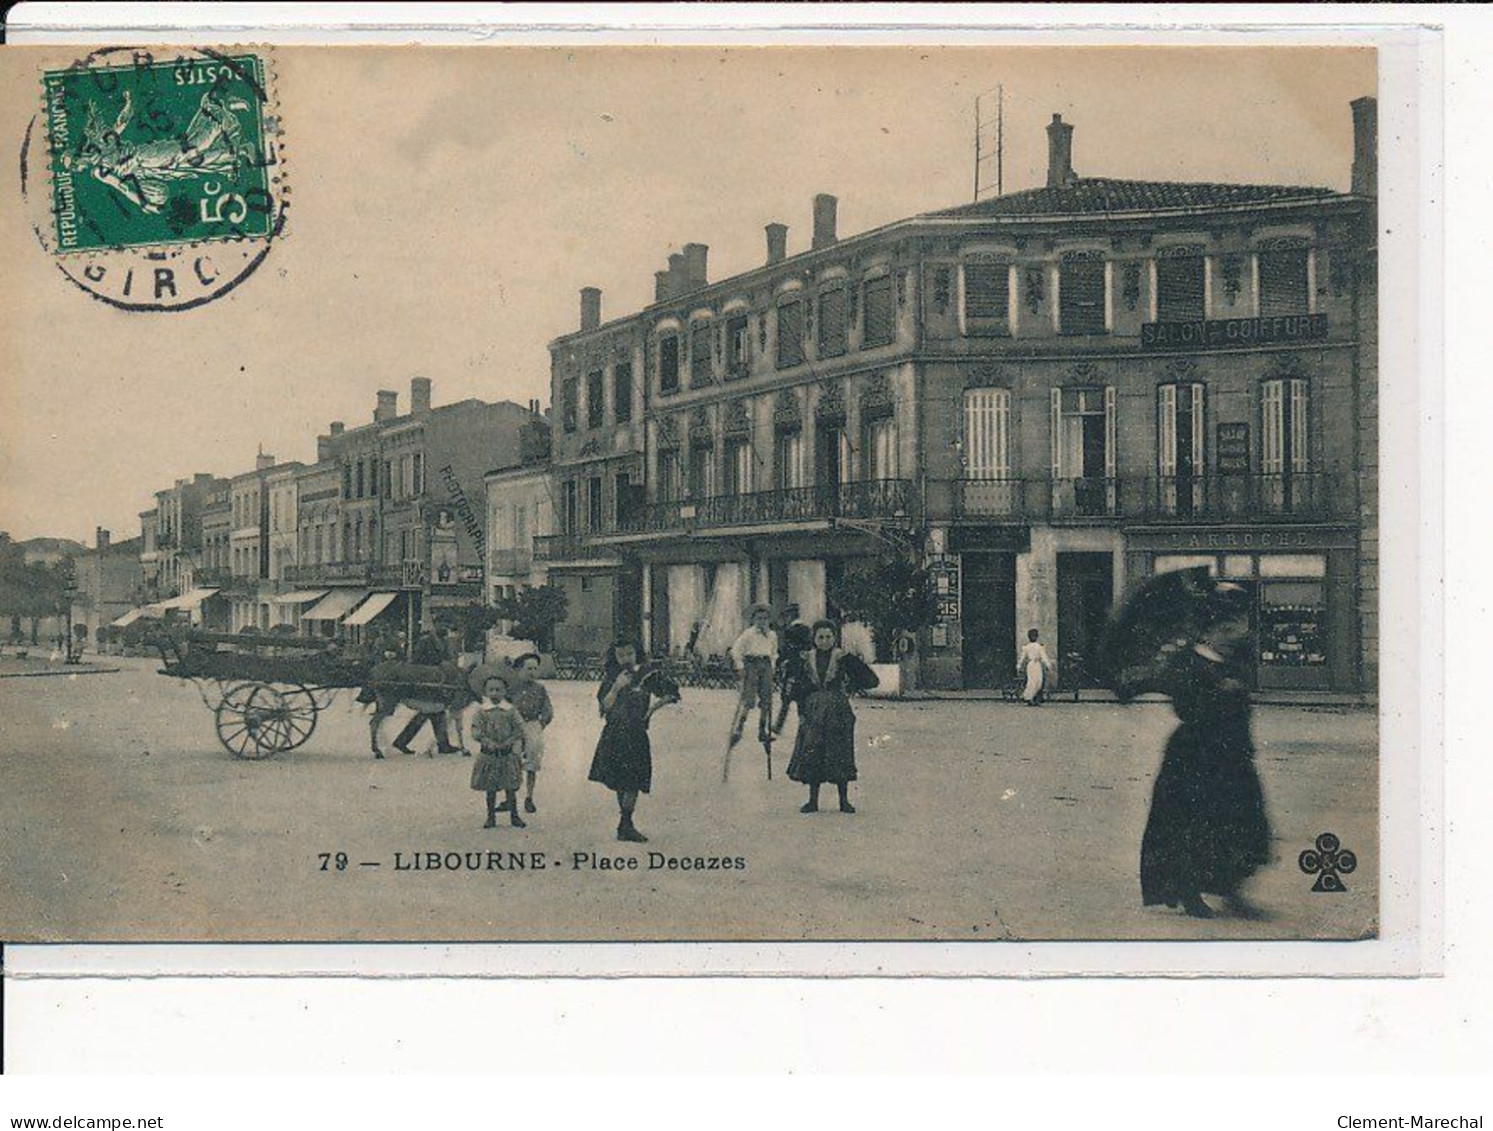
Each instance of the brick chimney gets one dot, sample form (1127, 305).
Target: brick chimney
(660, 286)
(263, 461)
(100, 538)
(420, 396)
(694, 266)
(676, 274)
(590, 308)
(777, 243)
(824, 220)
(387, 407)
(1365, 146)
(1060, 153)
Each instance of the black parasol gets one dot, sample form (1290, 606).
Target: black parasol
(1159, 620)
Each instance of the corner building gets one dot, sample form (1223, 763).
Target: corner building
(1048, 395)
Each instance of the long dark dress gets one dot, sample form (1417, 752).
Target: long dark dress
(824, 748)
(624, 757)
(1207, 831)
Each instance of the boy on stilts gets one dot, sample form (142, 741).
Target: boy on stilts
(754, 653)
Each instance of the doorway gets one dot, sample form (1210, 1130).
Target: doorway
(988, 619)
(1086, 593)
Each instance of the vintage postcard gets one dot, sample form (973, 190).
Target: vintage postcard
(744, 494)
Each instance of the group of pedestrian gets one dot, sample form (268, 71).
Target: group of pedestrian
(1182, 634)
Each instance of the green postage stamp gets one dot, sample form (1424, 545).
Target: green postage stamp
(154, 153)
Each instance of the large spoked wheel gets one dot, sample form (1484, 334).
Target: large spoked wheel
(256, 721)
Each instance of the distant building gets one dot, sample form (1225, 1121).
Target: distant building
(520, 510)
(106, 580)
(404, 536)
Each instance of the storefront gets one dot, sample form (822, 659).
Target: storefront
(1302, 585)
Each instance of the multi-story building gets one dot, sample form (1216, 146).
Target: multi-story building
(1047, 395)
(214, 568)
(403, 537)
(106, 582)
(171, 545)
(520, 509)
(253, 586)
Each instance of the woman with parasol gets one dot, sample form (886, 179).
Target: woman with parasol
(1185, 634)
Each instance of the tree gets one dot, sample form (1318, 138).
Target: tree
(535, 614)
(29, 590)
(893, 596)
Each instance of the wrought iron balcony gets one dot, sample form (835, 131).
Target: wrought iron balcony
(510, 562)
(1213, 497)
(1291, 496)
(329, 572)
(870, 499)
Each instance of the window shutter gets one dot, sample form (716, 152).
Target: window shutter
(1001, 464)
(1298, 425)
(1166, 430)
(1057, 434)
(1271, 425)
(1197, 429)
(1109, 431)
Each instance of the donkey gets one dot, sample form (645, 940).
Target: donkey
(430, 690)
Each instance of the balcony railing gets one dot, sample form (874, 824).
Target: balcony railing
(564, 547)
(1298, 497)
(511, 561)
(876, 498)
(329, 571)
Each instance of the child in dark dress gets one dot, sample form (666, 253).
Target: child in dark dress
(624, 756)
(824, 749)
(499, 731)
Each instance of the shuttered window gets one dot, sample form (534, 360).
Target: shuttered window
(790, 334)
(622, 391)
(1179, 430)
(834, 306)
(987, 414)
(595, 399)
(701, 364)
(1283, 281)
(880, 314)
(1283, 428)
(668, 363)
(987, 295)
(1179, 286)
(1081, 295)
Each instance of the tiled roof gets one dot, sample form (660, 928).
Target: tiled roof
(1099, 195)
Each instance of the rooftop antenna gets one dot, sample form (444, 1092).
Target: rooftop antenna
(981, 152)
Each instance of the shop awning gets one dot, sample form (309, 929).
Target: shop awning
(300, 596)
(335, 605)
(188, 600)
(376, 603)
(131, 617)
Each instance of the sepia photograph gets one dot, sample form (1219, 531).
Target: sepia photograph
(690, 493)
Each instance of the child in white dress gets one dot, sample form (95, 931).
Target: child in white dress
(1036, 665)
